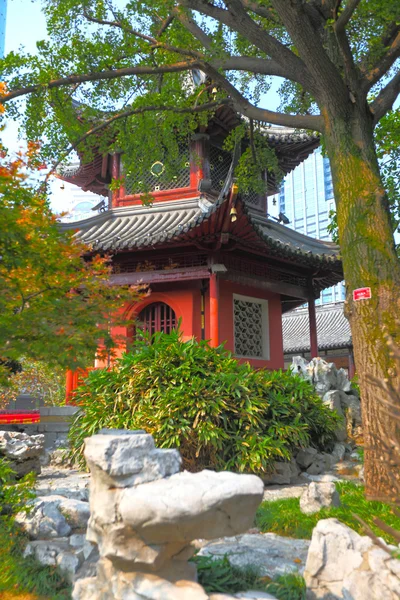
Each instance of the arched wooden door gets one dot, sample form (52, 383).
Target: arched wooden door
(157, 317)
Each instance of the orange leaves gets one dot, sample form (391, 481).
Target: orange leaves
(3, 92)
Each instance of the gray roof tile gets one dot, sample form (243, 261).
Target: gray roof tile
(333, 329)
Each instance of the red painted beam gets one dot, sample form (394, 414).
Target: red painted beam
(214, 310)
(159, 276)
(11, 417)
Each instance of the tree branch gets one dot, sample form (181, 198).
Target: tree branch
(243, 106)
(372, 76)
(261, 11)
(101, 75)
(385, 100)
(191, 25)
(346, 14)
(238, 20)
(326, 77)
(253, 64)
(154, 43)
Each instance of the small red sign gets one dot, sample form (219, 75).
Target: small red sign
(362, 294)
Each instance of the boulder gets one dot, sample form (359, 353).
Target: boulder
(282, 474)
(317, 496)
(271, 554)
(128, 458)
(344, 565)
(338, 452)
(333, 400)
(22, 450)
(301, 366)
(55, 553)
(343, 382)
(306, 457)
(44, 521)
(214, 504)
(324, 376)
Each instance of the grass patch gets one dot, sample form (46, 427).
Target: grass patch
(25, 575)
(218, 576)
(284, 517)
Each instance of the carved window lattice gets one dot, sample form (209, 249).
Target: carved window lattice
(163, 182)
(220, 162)
(253, 199)
(250, 327)
(157, 317)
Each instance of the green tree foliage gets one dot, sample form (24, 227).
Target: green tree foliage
(219, 413)
(37, 379)
(52, 300)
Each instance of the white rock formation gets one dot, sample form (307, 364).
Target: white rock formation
(22, 450)
(344, 565)
(144, 514)
(269, 553)
(317, 496)
(53, 517)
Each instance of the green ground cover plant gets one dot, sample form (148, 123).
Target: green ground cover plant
(218, 576)
(220, 414)
(284, 517)
(18, 573)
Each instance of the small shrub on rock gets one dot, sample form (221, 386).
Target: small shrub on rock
(220, 414)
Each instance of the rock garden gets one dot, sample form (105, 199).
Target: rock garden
(247, 488)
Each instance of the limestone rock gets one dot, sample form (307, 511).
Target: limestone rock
(20, 446)
(324, 376)
(144, 514)
(282, 474)
(344, 565)
(332, 398)
(301, 366)
(55, 553)
(187, 506)
(76, 513)
(126, 458)
(339, 451)
(306, 457)
(22, 450)
(317, 496)
(343, 382)
(44, 521)
(271, 554)
(113, 584)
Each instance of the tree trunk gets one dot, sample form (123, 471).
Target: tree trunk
(369, 260)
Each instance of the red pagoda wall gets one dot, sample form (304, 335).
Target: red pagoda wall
(226, 291)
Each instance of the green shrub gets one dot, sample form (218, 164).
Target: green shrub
(18, 573)
(219, 413)
(284, 517)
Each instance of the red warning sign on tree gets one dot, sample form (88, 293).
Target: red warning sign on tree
(362, 294)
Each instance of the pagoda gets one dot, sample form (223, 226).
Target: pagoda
(211, 257)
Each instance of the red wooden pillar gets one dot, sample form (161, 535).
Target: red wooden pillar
(69, 386)
(313, 327)
(214, 310)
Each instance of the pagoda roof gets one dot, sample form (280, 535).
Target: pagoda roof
(181, 222)
(332, 326)
(292, 147)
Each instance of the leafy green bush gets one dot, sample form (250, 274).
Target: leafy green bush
(284, 517)
(18, 573)
(219, 413)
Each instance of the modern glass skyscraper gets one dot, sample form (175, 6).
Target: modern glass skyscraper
(3, 14)
(306, 198)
